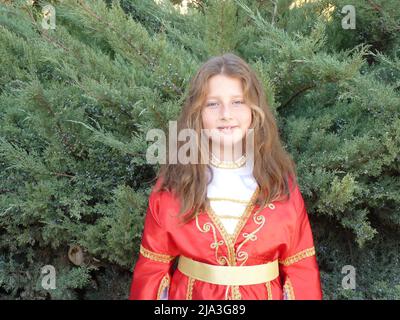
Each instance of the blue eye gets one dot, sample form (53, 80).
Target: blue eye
(212, 104)
(238, 102)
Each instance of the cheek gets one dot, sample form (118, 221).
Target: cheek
(207, 119)
(246, 118)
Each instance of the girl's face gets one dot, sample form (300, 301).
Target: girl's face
(225, 112)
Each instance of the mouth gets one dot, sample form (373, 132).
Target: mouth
(227, 129)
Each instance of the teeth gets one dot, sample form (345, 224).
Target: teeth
(226, 129)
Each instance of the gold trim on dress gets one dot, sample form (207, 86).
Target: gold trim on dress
(164, 284)
(269, 290)
(222, 260)
(227, 297)
(230, 200)
(189, 291)
(243, 255)
(236, 295)
(229, 239)
(227, 216)
(288, 291)
(215, 162)
(298, 256)
(159, 257)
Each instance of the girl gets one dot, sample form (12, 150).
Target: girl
(236, 226)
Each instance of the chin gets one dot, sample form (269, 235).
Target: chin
(228, 141)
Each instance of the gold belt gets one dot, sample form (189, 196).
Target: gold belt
(228, 275)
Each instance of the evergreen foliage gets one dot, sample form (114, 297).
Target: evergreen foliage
(77, 101)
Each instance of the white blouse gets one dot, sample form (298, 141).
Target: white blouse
(230, 192)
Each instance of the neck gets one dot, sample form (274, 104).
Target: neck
(228, 154)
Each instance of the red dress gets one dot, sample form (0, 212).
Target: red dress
(280, 231)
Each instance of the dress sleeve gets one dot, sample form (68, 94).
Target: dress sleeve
(152, 272)
(298, 265)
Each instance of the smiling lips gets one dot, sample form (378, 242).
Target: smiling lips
(227, 129)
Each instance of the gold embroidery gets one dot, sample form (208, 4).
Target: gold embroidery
(298, 256)
(223, 260)
(246, 216)
(189, 291)
(227, 293)
(230, 200)
(156, 256)
(226, 216)
(271, 206)
(269, 290)
(164, 284)
(288, 292)
(231, 239)
(236, 293)
(224, 234)
(214, 161)
(243, 255)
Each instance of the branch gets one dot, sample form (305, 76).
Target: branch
(88, 10)
(275, 11)
(303, 89)
(375, 6)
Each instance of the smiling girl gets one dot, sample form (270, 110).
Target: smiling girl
(234, 226)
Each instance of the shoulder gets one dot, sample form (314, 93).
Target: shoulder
(163, 204)
(159, 196)
(295, 195)
(292, 207)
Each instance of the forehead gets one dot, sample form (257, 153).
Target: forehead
(221, 86)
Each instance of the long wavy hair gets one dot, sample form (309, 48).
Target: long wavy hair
(273, 166)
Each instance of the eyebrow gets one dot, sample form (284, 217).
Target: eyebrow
(217, 97)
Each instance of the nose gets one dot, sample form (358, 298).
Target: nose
(225, 111)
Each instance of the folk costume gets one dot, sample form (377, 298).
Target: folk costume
(229, 251)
